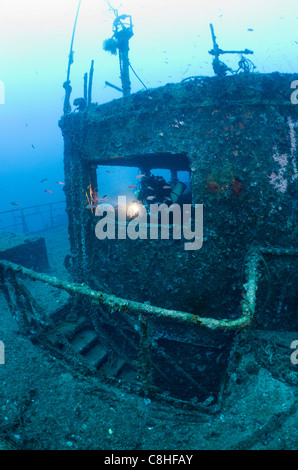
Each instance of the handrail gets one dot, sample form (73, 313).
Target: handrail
(117, 304)
(142, 310)
(20, 215)
(32, 207)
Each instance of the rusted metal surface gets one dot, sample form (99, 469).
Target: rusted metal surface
(237, 137)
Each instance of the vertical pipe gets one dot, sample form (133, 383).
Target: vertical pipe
(85, 86)
(24, 223)
(90, 82)
(124, 66)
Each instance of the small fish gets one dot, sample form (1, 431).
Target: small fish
(59, 182)
(249, 29)
(168, 199)
(32, 146)
(48, 191)
(90, 206)
(110, 172)
(149, 187)
(139, 176)
(103, 198)
(150, 198)
(43, 181)
(131, 186)
(15, 203)
(166, 187)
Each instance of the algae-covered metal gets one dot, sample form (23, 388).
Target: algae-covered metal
(237, 137)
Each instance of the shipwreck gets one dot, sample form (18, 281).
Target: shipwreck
(153, 316)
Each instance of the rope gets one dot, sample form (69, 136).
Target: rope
(138, 77)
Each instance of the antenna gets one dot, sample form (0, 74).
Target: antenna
(66, 84)
(122, 33)
(70, 57)
(219, 67)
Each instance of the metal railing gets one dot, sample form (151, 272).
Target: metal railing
(32, 317)
(138, 309)
(34, 218)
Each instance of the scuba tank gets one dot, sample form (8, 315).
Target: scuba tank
(177, 191)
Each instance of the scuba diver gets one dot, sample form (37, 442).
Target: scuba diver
(155, 190)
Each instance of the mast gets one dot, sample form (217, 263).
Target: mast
(66, 84)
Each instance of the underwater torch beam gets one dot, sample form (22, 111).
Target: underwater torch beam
(117, 304)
